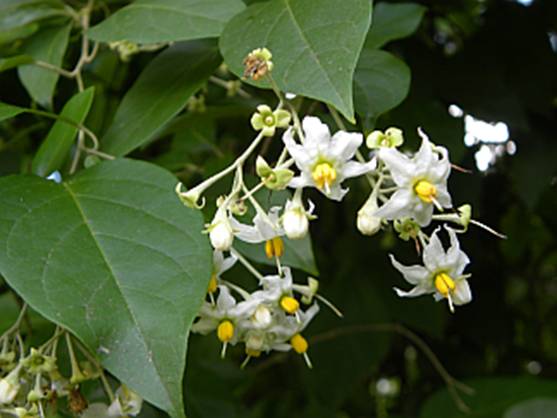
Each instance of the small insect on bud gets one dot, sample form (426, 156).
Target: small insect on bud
(258, 63)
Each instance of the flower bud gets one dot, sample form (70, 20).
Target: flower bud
(391, 138)
(406, 228)
(262, 317)
(9, 386)
(220, 231)
(367, 222)
(267, 120)
(262, 168)
(295, 220)
(127, 402)
(190, 197)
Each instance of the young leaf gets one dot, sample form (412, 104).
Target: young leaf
(160, 92)
(381, 82)
(152, 21)
(113, 256)
(55, 148)
(315, 45)
(393, 21)
(48, 45)
(12, 62)
(8, 111)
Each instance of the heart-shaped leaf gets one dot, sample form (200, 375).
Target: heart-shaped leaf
(113, 256)
(151, 21)
(315, 45)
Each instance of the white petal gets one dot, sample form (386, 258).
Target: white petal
(317, 135)
(354, 169)
(401, 167)
(442, 167)
(424, 157)
(296, 151)
(462, 293)
(434, 254)
(218, 259)
(415, 291)
(443, 196)
(344, 145)
(245, 232)
(205, 326)
(335, 192)
(422, 212)
(225, 301)
(414, 274)
(227, 264)
(398, 206)
(303, 180)
(266, 230)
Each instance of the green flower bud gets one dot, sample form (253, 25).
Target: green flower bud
(278, 179)
(406, 228)
(266, 121)
(36, 362)
(391, 138)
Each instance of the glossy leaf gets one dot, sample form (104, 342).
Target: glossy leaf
(381, 82)
(151, 21)
(160, 92)
(393, 21)
(315, 45)
(48, 45)
(116, 258)
(13, 62)
(8, 111)
(55, 148)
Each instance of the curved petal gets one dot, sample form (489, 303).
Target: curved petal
(443, 196)
(398, 206)
(335, 192)
(205, 326)
(303, 180)
(424, 158)
(225, 301)
(434, 253)
(414, 274)
(316, 132)
(246, 233)
(401, 167)
(266, 229)
(455, 256)
(227, 264)
(462, 293)
(415, 291)
(218, 259)
(422, 213)
(296, 151)
(355, 169)
(345, 144)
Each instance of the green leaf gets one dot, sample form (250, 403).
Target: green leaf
(160, 93)
(21, 32)
(533, 408)
(381, 82)
(393, 21)
(48, 45)
(55, 148)
(12, 62)
(17, 13)
(491, 398)
(315, 45)
(152, 21)
(115, 257)
(8, 111)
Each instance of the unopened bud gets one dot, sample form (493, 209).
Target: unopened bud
(367, 222)
(220, 231)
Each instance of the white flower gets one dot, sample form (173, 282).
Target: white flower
(295, 219)
(265, 227)
(127, 402)
(442, 272)
(9, 386)
(367, 222)
(220, 231)
(421, 182)
(325, 162)
(220, 265)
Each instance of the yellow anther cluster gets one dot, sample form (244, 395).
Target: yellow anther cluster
(425, 191)
(444, 284)
(324, 175)
(225, 331)
(299, 344)
(212, 287)
(274, 247)
(289, 304)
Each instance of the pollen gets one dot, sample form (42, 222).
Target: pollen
(289, 304)
(212, 287)
(253, 353)
(425, 191)
(324, 175)
(444, 284)
(299, 344)
(274, 247)
(225, 331)
(269, 120)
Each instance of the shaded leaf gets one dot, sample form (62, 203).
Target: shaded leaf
(55, 148)
(393, 21)
(161, 91)
(315, 45)
(48, 45)
(533, 408)
(8, 111)
(12, 62)
(381, 82)
(151, 21)
(117, 259)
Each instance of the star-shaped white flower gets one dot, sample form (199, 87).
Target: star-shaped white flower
(421, 182)
(442, 273)
(265, 227)
(325, 161)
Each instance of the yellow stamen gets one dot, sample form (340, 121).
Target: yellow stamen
(225, 331)
(269, 120)
(425, 191)
(299, 344)
(274, 247)
(212, 284)
(289, 304)
(444, 284)
(324, 175)
(253, 353)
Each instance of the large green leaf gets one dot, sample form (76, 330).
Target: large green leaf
(393, 21)
(533, 408)
(492, 397)
(315, 45)
(55, 148)
(113, 256)
(8, 111)
(381, 82)
(160, 92)
(48, 45)
(12, 62)
(151, 21)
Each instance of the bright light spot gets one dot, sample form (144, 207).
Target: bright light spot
(553, 40)
(455, 111)
(525, 2)
(484, 157)
(534, 367)
(486, 132)
(469, 140)
(511, 147)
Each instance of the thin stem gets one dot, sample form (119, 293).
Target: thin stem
(17, 322)
(246, 264)
(226, 85)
